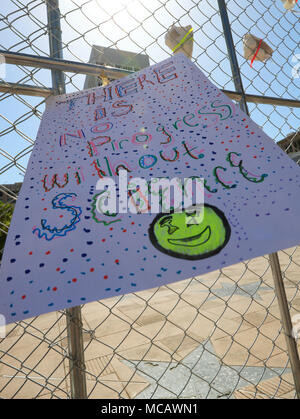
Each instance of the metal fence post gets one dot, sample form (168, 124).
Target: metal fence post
(74, 321)
(274, 260)
(237, 79)
(76, 353)
(286, 320)
(55, 44)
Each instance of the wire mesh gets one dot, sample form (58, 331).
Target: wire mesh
(213, 336)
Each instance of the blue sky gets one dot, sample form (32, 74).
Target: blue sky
(85, 23)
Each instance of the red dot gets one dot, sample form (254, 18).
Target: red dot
(117, 261)
(262, 148)
(45, 209)
(54, 288)
(124, 231)
(48, 252)
(133, 221)
(105, 277)
(71, 250)
(111, 228)
(61, 216)
(238, 136)
(74, 279)
(252, 132)
(247, 146)
(57, 269)
(246, 126)
(30, 253)
(254, 157)
(23, 297)
(103, 240)
(92, 270)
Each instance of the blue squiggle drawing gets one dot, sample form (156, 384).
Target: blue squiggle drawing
(49, 232)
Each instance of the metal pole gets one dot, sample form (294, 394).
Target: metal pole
(286, 320)
(74, 320)
(274, 260)
(76, 353)
(55, 43)
(237, 79)
(60, 64)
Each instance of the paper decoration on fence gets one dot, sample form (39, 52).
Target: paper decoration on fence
(289, 4)
(165, 122)
(256, 49)
(180, 39)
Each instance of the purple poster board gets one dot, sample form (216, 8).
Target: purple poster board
(167, 121)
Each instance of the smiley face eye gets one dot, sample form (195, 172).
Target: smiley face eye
(166, 222)
(191, 214)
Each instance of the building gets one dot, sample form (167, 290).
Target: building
(113, 58)
(291, 145)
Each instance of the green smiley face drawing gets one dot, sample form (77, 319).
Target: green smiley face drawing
(190, 234)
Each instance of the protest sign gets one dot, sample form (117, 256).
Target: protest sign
(166, 122)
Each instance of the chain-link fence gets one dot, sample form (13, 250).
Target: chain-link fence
(213, 336)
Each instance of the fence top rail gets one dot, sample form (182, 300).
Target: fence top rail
(63, 65)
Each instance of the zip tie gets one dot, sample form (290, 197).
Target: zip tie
(183, 40)
(256, 52)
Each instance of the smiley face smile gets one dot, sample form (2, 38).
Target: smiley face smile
(197, 240)
(175, 235)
